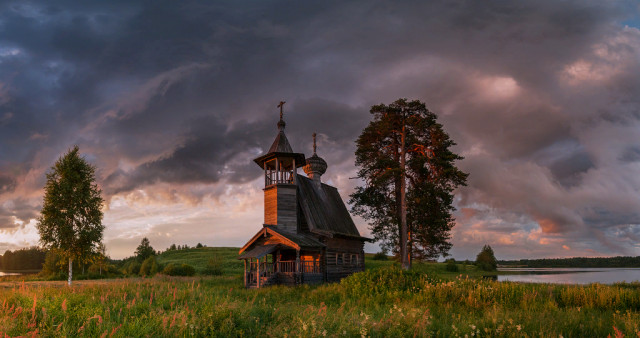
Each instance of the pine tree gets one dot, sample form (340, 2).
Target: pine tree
(409, 173)
(144, 250)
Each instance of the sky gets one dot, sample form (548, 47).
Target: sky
(171, 101)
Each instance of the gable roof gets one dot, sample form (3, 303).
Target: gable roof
(324, 210)
(296, 241)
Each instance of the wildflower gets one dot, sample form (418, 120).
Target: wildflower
(473, 327)
(64, 305)
(518, 327)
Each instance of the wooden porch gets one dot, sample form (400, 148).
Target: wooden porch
(262, 273)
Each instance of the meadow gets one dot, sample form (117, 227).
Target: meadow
(382, 301)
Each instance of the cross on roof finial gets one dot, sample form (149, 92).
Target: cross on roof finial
(314, 143)
(281, 105)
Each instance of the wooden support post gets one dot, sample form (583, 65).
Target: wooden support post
(245, 272)
(294, 172)
(258, 273)
(298, 270)
(277, 170)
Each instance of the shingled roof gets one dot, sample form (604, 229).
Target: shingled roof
(280, 144)
(324, 210)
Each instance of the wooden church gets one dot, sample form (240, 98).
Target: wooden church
(308, 235)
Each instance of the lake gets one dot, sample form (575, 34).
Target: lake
(8, 273)
(572, 275)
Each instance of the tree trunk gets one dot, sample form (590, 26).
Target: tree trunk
(396, 159)
(70, 270)
(404, 231)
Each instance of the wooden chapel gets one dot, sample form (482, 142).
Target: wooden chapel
(308, 235)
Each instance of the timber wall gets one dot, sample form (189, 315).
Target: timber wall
(280, 206)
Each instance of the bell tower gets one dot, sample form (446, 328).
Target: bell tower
(280, 166)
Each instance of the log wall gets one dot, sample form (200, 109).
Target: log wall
(280, 206)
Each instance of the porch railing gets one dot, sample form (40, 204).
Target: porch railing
(269, 269)
(305, 266)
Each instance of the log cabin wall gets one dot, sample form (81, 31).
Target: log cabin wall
(281, 206)
(343, 257)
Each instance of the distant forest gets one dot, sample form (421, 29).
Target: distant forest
(576, 262)
(34, 258)
(23, 259)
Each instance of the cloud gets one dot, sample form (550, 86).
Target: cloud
(172, 100)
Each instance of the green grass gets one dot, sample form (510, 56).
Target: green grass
(380, 302)
(198, 258)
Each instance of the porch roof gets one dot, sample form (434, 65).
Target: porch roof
(259, 251)
(293, 240)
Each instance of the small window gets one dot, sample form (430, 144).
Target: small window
(354, 259)
(339, 259)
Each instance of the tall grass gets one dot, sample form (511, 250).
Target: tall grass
(379, 302)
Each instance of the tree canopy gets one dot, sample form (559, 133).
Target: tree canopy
(409, 177)
(71, 217)
(486, 260)
(144, 250)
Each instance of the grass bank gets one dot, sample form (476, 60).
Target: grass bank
(383, 301)
(379, 302)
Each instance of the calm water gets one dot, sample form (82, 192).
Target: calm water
(7, 273)
(572, 275)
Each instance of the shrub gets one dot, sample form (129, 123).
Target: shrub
(214, 266)
(149, 267)
(451, 265)
(132, 268)
(380, 256)
(173, 269)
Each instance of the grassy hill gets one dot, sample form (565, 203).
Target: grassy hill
(199, 257)
(231, 265)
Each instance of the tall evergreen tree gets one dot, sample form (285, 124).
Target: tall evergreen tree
(144, 250)
(486, 260)
(409, 172)
(71, 217)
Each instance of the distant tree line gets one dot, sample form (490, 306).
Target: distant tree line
(23, 259)
(577, 262)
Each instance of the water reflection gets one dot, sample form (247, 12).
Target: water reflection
(572, 275)
(8, 273)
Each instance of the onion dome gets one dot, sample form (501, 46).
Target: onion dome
(315, 165)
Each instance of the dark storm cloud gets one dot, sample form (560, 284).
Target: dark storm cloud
(16, 210)
(541, 96)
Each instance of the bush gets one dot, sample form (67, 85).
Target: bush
(451, 265)
(149, 267)
(380, 256)
(214, 266)
(53, 265)
(132, 268)
(173, 269)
